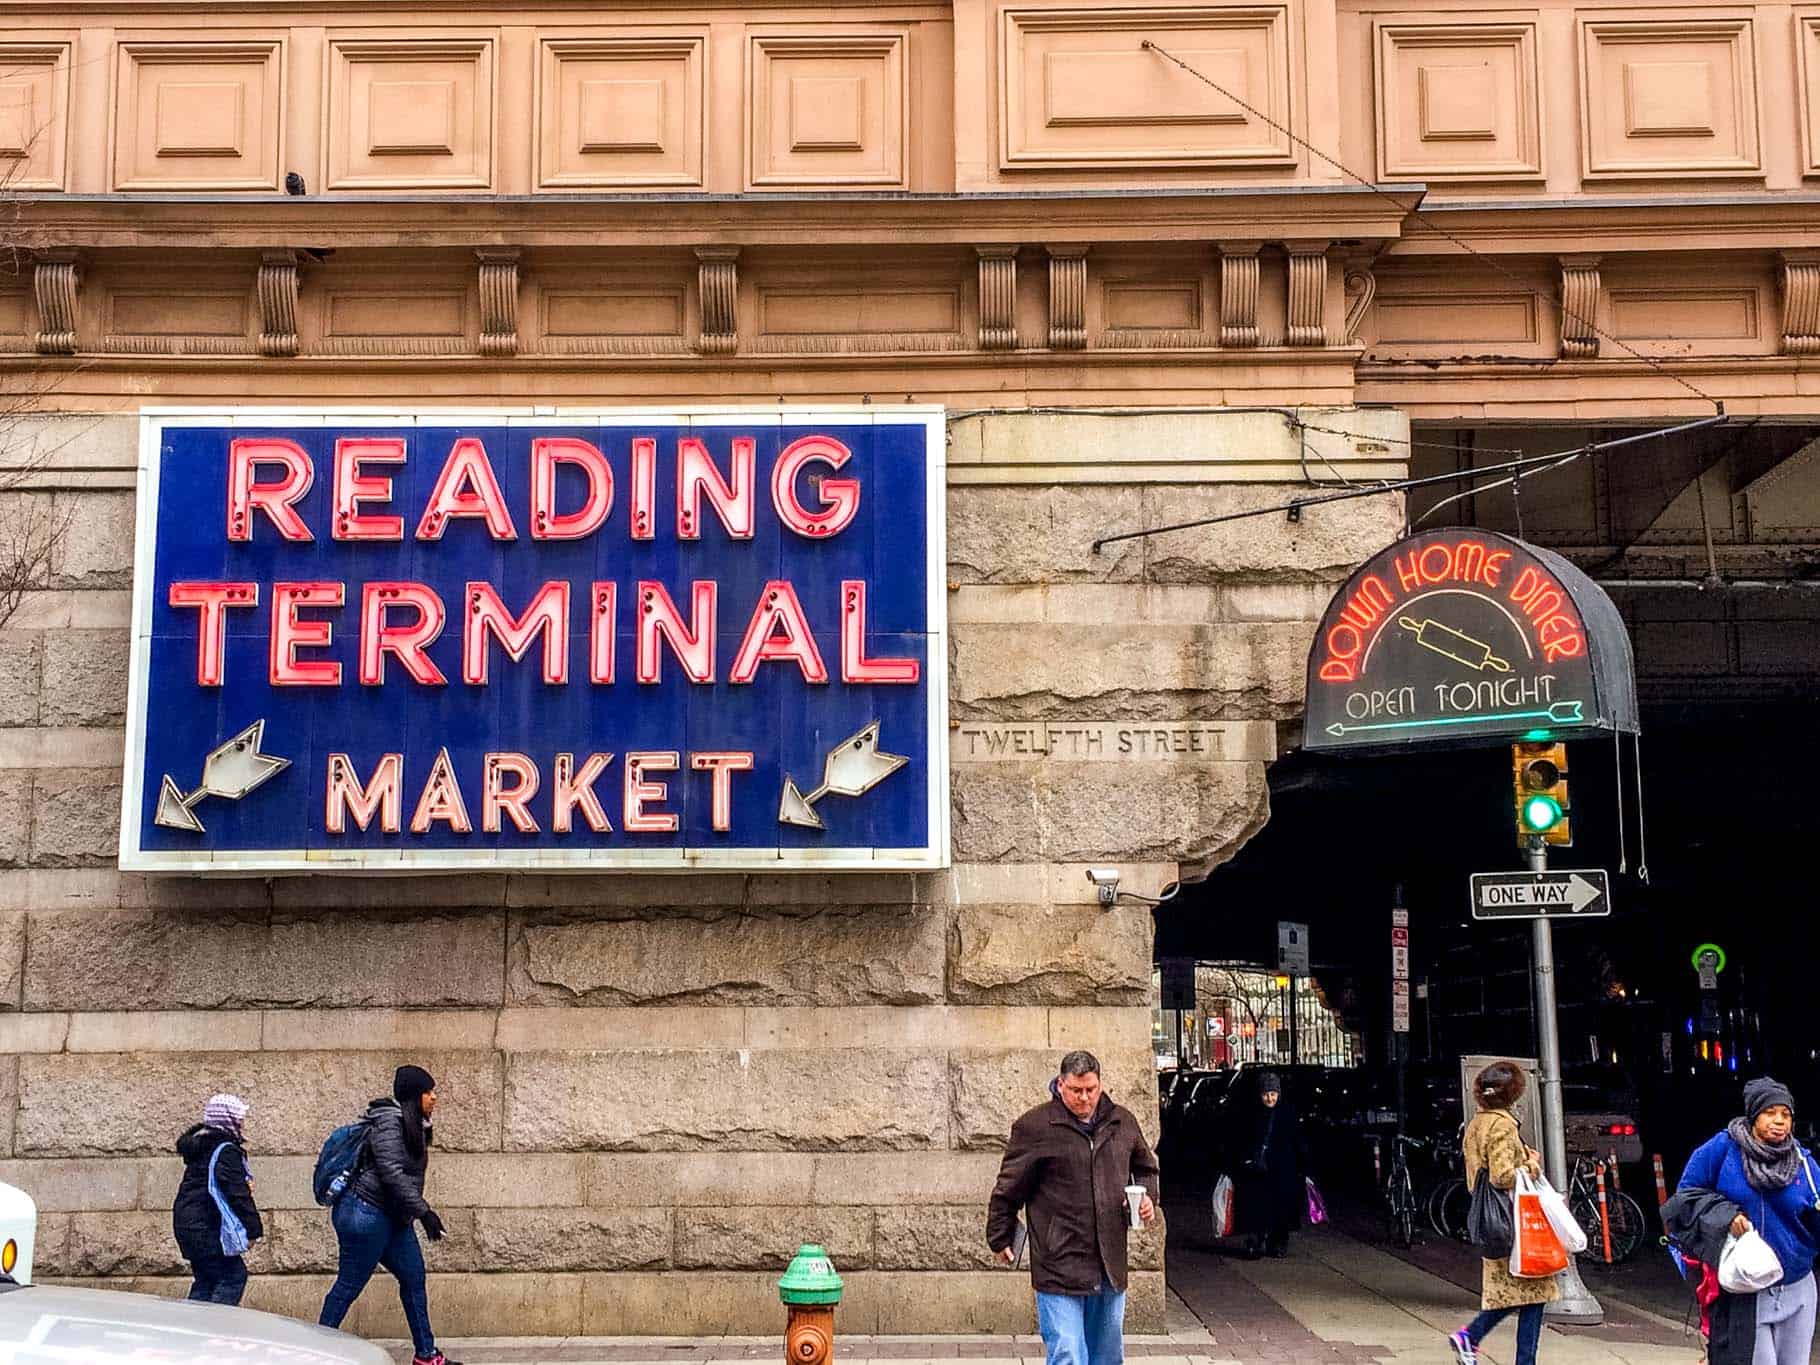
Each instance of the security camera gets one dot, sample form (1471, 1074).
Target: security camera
(1106, 880)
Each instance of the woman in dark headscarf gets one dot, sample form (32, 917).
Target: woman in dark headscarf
(1270, 1195)
(1756, 1165)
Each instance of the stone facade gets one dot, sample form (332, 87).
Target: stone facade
(654, 1087)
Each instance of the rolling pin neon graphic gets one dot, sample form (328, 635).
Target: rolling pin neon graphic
(1451, 644)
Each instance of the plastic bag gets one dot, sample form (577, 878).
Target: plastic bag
(1748, 1264)
(1317, 1206)
(1536, 1251)
(1488, 1219)
(1222, 1207)
(1566, 1226)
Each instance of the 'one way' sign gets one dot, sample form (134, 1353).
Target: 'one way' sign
(1558, 893)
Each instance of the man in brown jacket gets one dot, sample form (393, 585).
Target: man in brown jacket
(1067, 1164)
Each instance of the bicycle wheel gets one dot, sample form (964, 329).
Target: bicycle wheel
(1448, 1209)
(1403, 1210)
(1624, 1217)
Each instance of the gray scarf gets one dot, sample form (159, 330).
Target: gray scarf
(1768, 1166)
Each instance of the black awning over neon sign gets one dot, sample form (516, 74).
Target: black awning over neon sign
(1463, 637)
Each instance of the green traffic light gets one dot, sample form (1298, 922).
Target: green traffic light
(1541, 813)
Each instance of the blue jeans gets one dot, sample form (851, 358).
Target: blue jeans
(218, 1279)
(1529, 1329)
(370, 1238)
(1083, 1329)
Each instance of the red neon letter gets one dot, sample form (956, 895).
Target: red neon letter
(694, 644)
(600, 632)
(276, 500)
(696, 474)
(379, 797)
(723, 766)
(644, 488)
(212, 601)
(546, 522)
(378, 637)
(466, 488)
(353, 488)
(854, 665)
(778, 611)
(639, 791)
(547, 615)
(496, 797)
(441, 800)
(289, 634)
(572, 789)
(840, 497)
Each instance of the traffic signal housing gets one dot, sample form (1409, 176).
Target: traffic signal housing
(1539, 773)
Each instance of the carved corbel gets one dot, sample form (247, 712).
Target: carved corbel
(498, 300)
(56, 281)
(278, 302)
(1307, 293)
(1239, 293)
(1579, 306)
(717, 280)
(998, 297)
(1800, 287)
(1067, 298)
(1361, 288)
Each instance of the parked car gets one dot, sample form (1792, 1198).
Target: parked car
(102, 1326)
(1600, 1105)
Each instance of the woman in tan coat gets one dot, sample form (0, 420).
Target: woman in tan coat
(1493, 1143)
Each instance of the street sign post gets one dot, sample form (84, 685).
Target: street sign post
(1558, 893)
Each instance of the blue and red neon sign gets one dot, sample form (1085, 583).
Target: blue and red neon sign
(605, 639)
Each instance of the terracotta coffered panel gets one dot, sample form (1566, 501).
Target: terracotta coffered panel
(1440, 324)
(1458, 102)
(34, 115)
(410, 114)
(828, 110)
(620, 112)
(18, 321)
(175, 318)
(584, 305)
(199, 116)
(891, 316)
(1694, 320)
(1669, 98)
(1079, 90)
(1807, 50)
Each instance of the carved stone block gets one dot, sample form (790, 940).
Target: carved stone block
(718, 282)
(1239, 293)
(998, 297)
(1067, 298)
(1800, 286)
(498, 300)
(277, 289)
(1579, 306)
(1308, 294)
(56, 278)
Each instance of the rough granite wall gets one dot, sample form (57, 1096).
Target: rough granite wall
(655, 1087)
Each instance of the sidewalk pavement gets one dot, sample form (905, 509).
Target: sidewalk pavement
(1334, 1301)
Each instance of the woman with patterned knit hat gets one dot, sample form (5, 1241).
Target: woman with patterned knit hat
(217, 1189)
(374, 1216)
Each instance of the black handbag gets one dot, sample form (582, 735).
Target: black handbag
(1488, 1220)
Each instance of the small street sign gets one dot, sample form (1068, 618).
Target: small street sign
(1399, 918)
(1399, 1007)
(1292, 948)
(1560, 893)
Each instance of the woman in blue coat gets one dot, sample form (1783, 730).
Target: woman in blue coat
(1757, 1165)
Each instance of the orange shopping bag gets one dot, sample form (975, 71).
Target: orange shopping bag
(1535, 1251)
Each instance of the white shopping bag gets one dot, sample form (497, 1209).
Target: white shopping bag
(1566, 1226)
(1222, 1207)
(1748, 1264)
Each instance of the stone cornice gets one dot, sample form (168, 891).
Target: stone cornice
(453, 220)
(1760, 222)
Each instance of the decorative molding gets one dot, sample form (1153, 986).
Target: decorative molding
(498, 300)
(1807, 98)
(1457, 101)
(1361, 288)
(56, 281)
(717, 279)
(620, 112)
(1307, 293)
(1239, 293)
(1067, 298)
(1078, 90)
(828, 110)
(1579, 307)
(199, 116)
(34, 115)
(410, 113)
(277, 290)
(1671, 98)
(1800, 288)
(998, 297)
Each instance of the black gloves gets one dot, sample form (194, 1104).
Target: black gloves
(432, 1224)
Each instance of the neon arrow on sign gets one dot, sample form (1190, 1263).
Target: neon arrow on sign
(1561, 713)
(852, 768)
(230, 772)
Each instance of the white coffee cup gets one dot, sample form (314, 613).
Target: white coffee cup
(1134, 1196)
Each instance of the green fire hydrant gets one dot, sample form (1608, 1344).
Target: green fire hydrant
(810, 1289)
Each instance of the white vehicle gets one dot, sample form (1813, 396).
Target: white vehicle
(55, 1325)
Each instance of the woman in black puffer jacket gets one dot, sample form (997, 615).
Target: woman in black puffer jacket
(374, 1215)
(196, 1218)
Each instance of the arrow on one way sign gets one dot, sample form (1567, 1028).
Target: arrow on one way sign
(1566, 893)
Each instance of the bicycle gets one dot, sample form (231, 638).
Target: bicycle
(1400, 1192)
(1623, 1215)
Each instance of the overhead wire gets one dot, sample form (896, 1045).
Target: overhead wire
(1428, 222)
